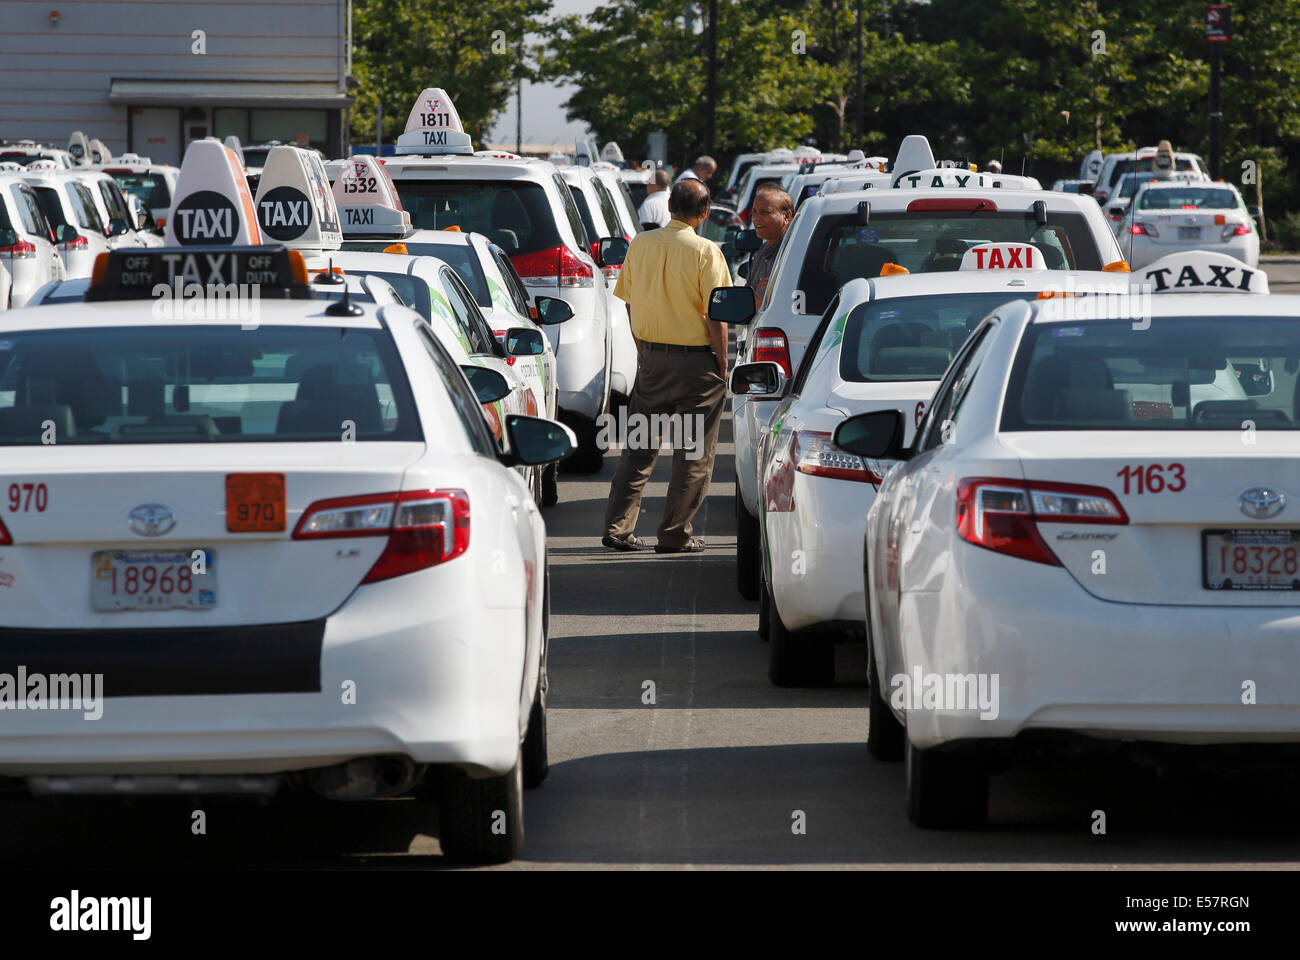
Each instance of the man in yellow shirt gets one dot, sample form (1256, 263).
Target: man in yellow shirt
(666, 281)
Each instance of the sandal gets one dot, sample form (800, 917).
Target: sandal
(693, 545)
(629, 543)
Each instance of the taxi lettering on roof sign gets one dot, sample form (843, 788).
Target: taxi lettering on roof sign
(134, 273)
(1199, 271)
(433, 126)
(1003, 256)
(213, 204)
(367, 199)
(294, 201)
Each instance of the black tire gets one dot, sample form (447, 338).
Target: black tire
(588, 458)
(885, 735)
(797, 659)
(764, 613)
(946, 789)
(749, 550)
(550, 485)
(481, 821)
(535, 756)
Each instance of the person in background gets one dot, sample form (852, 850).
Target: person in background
(702, 169)
(654, 208)
(993, 166)
(666, 281)
(773, 210)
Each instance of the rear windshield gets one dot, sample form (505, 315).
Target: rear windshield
(255, 156)
(149, 187)
(515, 215)
(1188, 198)
(459, 257)
(14, 156)
(1180, 373)
(913, 338)
(1146, 165)
(841, 249)
(202, 384)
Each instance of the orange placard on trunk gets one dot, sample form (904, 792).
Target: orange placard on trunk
(255, 502)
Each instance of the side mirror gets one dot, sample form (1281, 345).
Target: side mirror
(117, 227)
(552, 310)
(876, 436)
(1116, 211)
(612, 252)
(488, 385)
(536, 440)
(525, 342)
(66, 233)
(731, 304)
(764, 380)
(747, 241)
(742, 271)
(728, 249)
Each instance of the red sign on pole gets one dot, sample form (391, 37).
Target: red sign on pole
(1218, 22)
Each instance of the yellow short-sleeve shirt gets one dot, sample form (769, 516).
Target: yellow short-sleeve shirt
(666, 279)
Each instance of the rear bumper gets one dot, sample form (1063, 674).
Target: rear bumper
(1067, 661)
(1245, 249)
(816, 552)
(400, 672)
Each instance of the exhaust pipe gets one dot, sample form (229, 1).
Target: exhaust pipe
(366, 778)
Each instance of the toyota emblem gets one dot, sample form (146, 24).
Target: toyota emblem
(1261, 503)
(151, 519)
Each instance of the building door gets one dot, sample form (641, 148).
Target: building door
(155, 132)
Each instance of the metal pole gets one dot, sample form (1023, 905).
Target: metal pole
(1216, 112)
(711, 94)
(519, 116)
(859, 140)
(379, 129)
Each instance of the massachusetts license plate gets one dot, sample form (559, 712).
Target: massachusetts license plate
(153, 579)
(1189, 233)
(1251, 559)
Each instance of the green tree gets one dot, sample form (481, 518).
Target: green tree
(472, 50)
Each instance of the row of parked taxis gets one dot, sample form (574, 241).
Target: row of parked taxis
(1050, 493)
(288, 464)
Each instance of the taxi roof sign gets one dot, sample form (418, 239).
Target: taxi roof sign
(433, 126)
(1003, 256)
(295, 204)
(137, 273)
(237, 148)
(367, 199)
(213, 205)
(914, 154)
(950, 177)
(1200, 271)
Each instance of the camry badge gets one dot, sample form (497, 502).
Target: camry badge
(1261, 503)
(151, 519)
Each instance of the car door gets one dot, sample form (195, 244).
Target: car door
(904, 500)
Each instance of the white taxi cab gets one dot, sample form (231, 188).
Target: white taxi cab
(1172, 217)
(71, 213)
(883, 342)
(1089, 534)
(523, 206)
(925, 223)
(273, 541)
(154, 184)
(28, 244)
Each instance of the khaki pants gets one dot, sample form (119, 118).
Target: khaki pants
(685, 385)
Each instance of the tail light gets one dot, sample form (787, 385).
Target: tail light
(815, 454)
(5, 539)
(22, 250)
(1236, 230)
(1144, 229)
(554, 266)
(1003, 515)
(610, 272)
(1117, 217)
(424, 527)
(744, 216)
(77, 243)
(952, 205)
(770, 344)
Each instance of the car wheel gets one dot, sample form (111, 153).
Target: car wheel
(885, 735)
(764, 612)
(536, 761)
(481, 821)
(945, 788)
(797, 659)
(550, 485)
(588, 458)
(749, 553)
